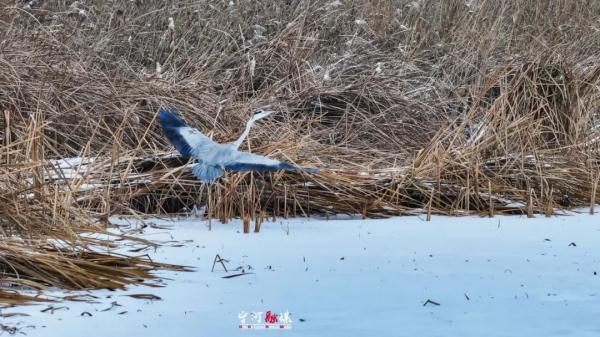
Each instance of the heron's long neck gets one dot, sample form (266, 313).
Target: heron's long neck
(238, 142)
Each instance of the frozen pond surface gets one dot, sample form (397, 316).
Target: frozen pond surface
(502, 276)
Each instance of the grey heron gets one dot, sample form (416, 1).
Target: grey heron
(214, 158)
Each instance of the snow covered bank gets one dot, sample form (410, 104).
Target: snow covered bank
(502, 276)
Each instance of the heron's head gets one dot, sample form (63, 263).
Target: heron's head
(260, 113)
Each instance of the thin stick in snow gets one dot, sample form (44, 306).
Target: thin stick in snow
(430, 302)
(220, 260)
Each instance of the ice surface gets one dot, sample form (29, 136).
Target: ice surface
(502, 276)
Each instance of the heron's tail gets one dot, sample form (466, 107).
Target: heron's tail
(208, 173)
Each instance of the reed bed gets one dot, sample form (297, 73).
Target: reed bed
(407, 107)
(46, 240)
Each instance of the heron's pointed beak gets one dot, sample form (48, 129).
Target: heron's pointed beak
(262, 114)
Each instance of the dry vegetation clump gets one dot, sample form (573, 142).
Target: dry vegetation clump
(429, 106)
(46, 241)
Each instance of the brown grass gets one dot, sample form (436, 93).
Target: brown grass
(445, 107)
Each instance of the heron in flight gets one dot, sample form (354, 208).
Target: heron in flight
(213, 158)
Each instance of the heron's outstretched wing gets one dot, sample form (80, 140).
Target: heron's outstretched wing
(187, 140)
(244, 161)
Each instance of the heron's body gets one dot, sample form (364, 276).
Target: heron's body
(213, 158)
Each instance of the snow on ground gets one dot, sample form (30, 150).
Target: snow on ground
(502, 276)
